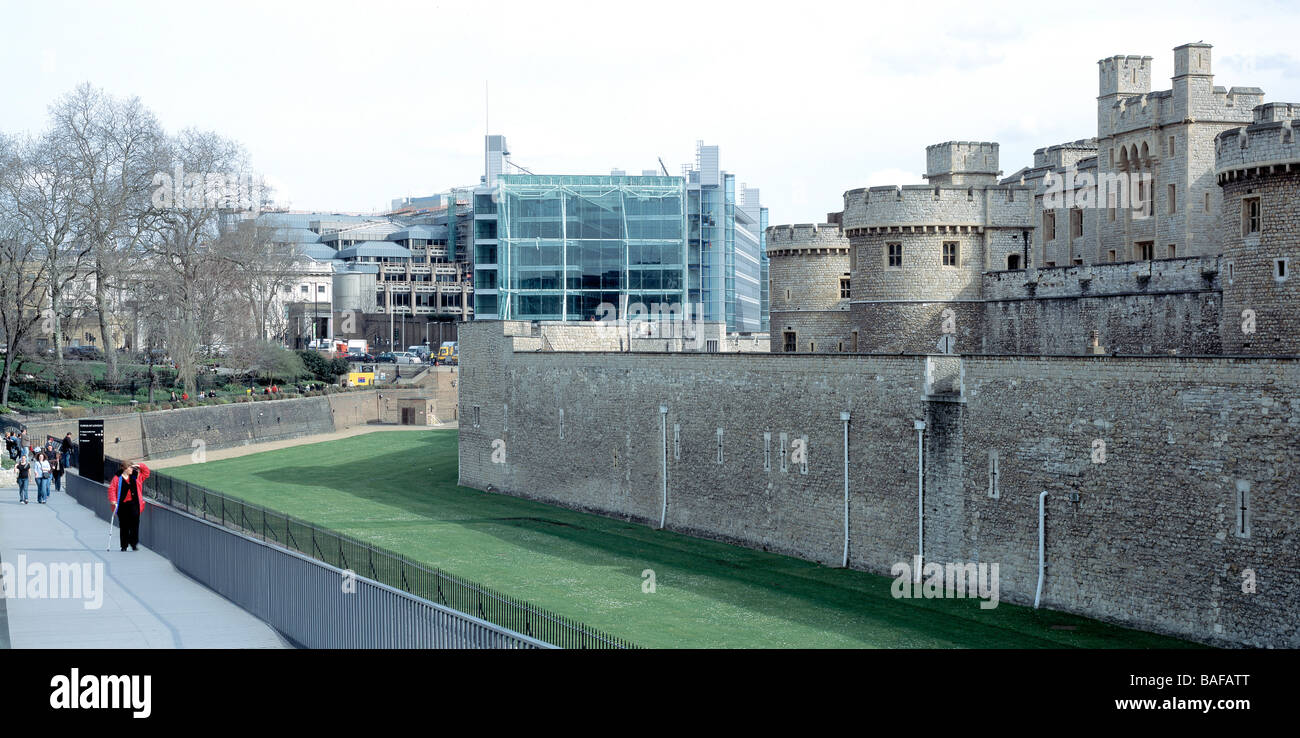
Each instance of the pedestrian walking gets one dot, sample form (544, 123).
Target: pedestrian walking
(56, 469)
(128, 486)
(11, 445)
(43, 474)
(65, 452)
(23, 469)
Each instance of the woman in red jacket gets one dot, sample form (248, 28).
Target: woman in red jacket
(129, 486)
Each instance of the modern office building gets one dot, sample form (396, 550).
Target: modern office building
(726, 247)
(569, 244)
(558, 247)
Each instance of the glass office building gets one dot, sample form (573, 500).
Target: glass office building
(557, 247)
(726, 246)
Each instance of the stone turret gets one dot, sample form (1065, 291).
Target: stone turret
(1258, 170)
(919, 250)
(809, 268)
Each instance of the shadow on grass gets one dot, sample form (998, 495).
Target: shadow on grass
(857, 605)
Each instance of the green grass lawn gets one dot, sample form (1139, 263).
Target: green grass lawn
(398, 490)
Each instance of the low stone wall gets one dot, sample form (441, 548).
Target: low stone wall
(162, 433)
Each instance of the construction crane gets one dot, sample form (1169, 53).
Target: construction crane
(516, 166)
(661, 166)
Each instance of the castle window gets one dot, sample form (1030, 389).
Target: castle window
(812, 347)
(1144, 250)
(767, 452)
(1078, 261)
(1280, 267)
(1249, 215)
(1243, 508)
(719, 446)
(1170, 152)
(476, 415)
(1013, 261)
(895, 255)
(1173, 251)
(1076, 223)
(1114, 257)
(789, 342)
(787, 294)
(950, 253)
(995, 476)
(841, 347)
(1049, 226)
(561, 424)
(1207, 202)
(844, 288)
(1173, 199)
(855, 341)
(677, 441)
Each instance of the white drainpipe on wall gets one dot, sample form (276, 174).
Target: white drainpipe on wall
(919, 425)
(845, 417)
(663, 428)
(1042, 502)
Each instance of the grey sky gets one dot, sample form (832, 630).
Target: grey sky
(346, 106)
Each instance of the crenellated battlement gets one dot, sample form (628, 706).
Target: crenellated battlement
(1262, 147)
(805, 236)
(961, 162)
(1124, 75)
(931, 205)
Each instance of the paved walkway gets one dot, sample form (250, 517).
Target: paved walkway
(230, 453)
(146, 603)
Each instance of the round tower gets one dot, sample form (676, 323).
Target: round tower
(1258, 169)
(808, 274)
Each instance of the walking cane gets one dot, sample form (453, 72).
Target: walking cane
(110, 528)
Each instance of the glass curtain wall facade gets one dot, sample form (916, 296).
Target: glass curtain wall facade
(725, 255)
(565, 245)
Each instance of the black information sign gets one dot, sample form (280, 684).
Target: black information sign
(90, 440)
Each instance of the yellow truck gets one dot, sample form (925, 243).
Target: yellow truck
(448, 353)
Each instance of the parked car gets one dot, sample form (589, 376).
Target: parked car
(388, 357)
(406, 357)
(361, 358)
(89, 353)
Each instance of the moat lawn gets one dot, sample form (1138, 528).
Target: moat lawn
(398, 490)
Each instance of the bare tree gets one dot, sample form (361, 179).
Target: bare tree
(118, 150)
(187, 245)
(263, 266)
(22, 266)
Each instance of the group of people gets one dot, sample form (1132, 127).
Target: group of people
(43, 464)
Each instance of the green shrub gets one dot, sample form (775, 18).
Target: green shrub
(19, 396)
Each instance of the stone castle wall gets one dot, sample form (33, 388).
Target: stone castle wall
(1149, 541)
